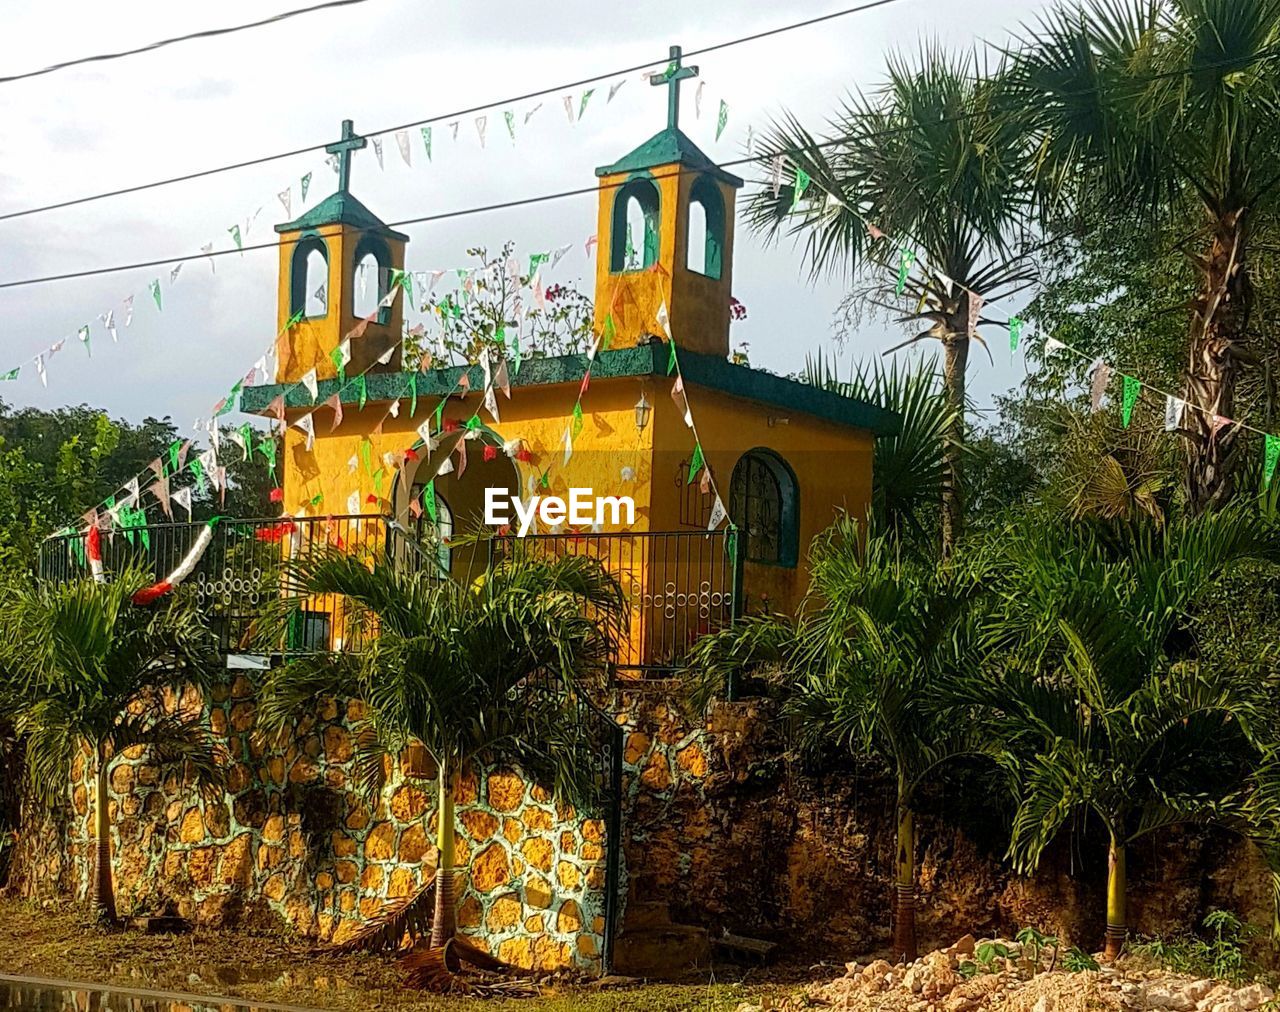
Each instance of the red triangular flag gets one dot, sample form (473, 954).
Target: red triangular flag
(276, 407)
(335, 402)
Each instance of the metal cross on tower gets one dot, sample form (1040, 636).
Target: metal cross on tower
(351, 142)
(671, 78)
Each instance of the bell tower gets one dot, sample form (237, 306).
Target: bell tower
(665, 236)
(337, 261)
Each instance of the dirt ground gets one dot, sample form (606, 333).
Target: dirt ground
(267, 965)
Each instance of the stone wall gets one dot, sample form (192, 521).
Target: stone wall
(731, 834)
(718, 823)
(294, 837)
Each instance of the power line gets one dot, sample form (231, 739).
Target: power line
(208, 33)
(579, 191)
(458, 113)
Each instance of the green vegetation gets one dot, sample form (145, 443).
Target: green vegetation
(501, 687)
(1219, 952)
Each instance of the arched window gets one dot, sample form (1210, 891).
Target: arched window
(309, 275)
(372, 278)
(440, 533)
(705, 234)
(763, 505)
(634, 244)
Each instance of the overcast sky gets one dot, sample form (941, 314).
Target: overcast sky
(382, 63)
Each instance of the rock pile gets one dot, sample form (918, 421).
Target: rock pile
(997, 974)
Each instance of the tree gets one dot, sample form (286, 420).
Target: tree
(1169, 112)
(1103, 706)
(86, 671)
(879, 637)
(907, 478)
(489, 671)
(931, 166)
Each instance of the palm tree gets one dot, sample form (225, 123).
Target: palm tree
(86, 670)
(878, 638)
(928, 164)
(1100, 706)
(907, 478)
(489, 671)
(1169, 111)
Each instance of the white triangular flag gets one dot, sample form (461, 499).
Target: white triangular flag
(353, 503)
(307, 425)
(394, 410)
(718, 514)
(309, 381)
(109, 321)
(402, 141)
(975, 309)
(131, 491)
(207, 250)
(568, 107)
(40, 370)
(529, 115)
(558, 255)
(237, 437)
(568, 443)
(697, 100)
(1052, 345)
(1173, 412)
(454, 127)
(447, 466)
(353, 464)
(751, 138)
(424, 430)
(613, 90)
(183, 498)
(377, 150)
(501, 379)
(482, 123)
(385, 357)
(128, 310)
(389, 298)
(286, 198)
(173, 274)
(664, 319)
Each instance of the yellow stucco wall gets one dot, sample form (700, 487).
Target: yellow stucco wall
(698, 306)
(308, 343)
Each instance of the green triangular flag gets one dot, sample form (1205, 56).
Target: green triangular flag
(235, 236)
(306, 185)
(174, 449)
(268, 449)
(586, 97)
(536, 260)
(802, 184)
(77, 549)
(316, 500)
(440, 417)
(545, 479)
(510, 117)
(340, 363)
(12, 374)
(906, 257)
(197, 469)
(671, 358)
(723, 119)
(377, 482)
(293, 321)
(1270, 457)
(362, 392)
(474, 423)
(608, 334)
(413, 391)
(155, 294)
(577, 418)
(695, 464)
(366, 448)
(429, 499)
(406, 282)
(1132, 387)
(426, 141)
(1015, 332)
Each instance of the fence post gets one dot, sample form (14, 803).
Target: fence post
(735, 560)
(613, 847)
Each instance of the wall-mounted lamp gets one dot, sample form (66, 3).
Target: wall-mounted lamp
(773, 420)
(643, 410)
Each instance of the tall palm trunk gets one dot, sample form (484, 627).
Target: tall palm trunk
(904, 881)
(444, 925)
(1219, 323)
(102, 895)
(956, 350)
(1117, 915)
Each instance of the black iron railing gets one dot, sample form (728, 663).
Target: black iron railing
(680, 586)
(243, 570)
